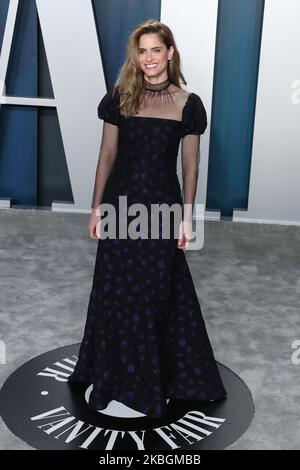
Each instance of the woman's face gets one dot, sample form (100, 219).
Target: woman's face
(153, 57)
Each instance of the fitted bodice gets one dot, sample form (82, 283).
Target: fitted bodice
(147, 147)
(148, 142)
(147, 154)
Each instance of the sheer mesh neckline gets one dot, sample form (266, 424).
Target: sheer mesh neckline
(156, 87)
(165, 118)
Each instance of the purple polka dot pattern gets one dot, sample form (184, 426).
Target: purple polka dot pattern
(145, 339)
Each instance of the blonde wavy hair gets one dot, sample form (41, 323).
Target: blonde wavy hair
(130, 77)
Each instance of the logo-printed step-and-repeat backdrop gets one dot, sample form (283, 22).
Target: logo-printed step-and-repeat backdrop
(239, 56)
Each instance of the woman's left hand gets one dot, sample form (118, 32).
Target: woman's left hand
(185, 234)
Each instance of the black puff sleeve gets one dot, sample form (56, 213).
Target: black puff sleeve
(109, 107)
(194, 118)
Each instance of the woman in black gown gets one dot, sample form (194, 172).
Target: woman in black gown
(145, 338)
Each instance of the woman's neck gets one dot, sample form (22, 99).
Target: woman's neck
(162, 85)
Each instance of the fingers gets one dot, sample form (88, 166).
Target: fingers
(94, 228)
(181, 243)
(93, 233)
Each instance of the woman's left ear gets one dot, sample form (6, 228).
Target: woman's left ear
(171, 48)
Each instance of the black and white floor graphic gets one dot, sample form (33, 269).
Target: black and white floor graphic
(38, 405)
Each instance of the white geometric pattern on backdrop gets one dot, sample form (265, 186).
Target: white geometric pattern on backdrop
(274, 192)
(200, 17)
(77, 79)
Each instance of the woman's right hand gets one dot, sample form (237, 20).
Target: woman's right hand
(94, 225)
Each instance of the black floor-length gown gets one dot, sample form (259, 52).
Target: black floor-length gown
(145, 339)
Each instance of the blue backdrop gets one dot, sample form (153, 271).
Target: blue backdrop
(33, 168)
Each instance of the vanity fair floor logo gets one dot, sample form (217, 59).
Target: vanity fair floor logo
(41, 407)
